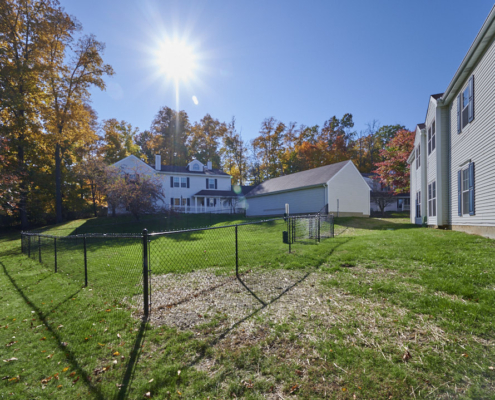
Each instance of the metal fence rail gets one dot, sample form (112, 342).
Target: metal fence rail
(154, 273)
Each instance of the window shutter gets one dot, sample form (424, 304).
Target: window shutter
(188, 184)
(471, 99)
(188, 199)
(459, 114)
(459, 193)
(208, 201)
(171, 181)
(207, 183)
(171, 201)
(216, 187)
(471, 188)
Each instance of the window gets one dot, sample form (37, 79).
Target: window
(211, 183)
(184, 202)
(176, 181)
(432, 199)
(431, 138)
(176, 202)
(195, 167)
(465, 105)
(418, 204)
(465, 190)
(418, 156)
(183, 182)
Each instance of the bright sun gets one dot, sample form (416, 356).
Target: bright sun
(176, 60)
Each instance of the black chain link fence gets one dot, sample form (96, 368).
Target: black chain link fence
(186, 277)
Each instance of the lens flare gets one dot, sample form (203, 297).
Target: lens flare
(195, 100)
(176, 59)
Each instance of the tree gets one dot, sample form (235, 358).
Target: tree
(382, 199)
(234, 155)
(9, 182)
(205, 138)
(138, 193)
(92, 172)
(27, 30)
(393, 171)
(68, 112)
(269, 149)
(171, 131)
(118, 141)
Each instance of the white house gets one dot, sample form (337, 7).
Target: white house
(195, 188)
(338, 188)
(401, 201)
(452, 165)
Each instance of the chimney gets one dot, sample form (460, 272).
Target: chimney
(158, 162)
(209, 165)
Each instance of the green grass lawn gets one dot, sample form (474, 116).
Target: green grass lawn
(383, 310)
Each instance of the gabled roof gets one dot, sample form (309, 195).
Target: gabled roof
(437, 96)
(311, 177)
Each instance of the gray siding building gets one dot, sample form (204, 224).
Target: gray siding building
(453, 162)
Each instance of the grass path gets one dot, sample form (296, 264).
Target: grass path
(392, 311)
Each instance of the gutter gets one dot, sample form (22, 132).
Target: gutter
(286, 190)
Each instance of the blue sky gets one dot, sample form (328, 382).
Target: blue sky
(301, 61)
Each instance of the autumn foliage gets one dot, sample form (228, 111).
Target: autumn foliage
(393, 171)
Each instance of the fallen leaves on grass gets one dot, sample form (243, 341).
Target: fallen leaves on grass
(65, 369)
(75, 380)
(294, 388)
(147, 395)
(49, 356)
(15, 379)
(10, 359)
(11, 343)
(72, 374)
(407, 356)
(300, 373)
(46, 380)
(116, 354)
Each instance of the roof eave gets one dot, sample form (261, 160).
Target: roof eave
(286, 190)
(477, 48)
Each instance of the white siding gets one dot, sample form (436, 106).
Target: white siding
(301, 201)
(431, 161)
(476, 142)
(348, 186)
(353, 193)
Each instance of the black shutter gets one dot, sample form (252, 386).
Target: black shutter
(171, 181)
(188, 199)
(459, 193)
(459, 113)
(471, 188)
(188, 184)
(471, 99)
(207, 183)
(207, 201)
(171, 201)
(216, 184)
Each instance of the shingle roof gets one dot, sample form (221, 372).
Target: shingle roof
(185, 170)
(311, 177)
(421, 126)
(216, 193)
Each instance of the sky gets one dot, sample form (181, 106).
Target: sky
(296, 61)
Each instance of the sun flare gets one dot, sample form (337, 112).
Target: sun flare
(177, 60)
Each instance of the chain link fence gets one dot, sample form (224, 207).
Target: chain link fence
(186, 277)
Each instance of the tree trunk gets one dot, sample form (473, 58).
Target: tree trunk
(93, 194)
(58, 184)
(22, 186)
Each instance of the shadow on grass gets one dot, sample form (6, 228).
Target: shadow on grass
(71, 358)
(373, 223)
(95, 390)
(204, 350)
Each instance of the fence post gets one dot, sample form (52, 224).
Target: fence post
(39, 248)
(55, 248)
(236, 254)
(85, 262)
(319, 226)
(29, 246)
(145, 274)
